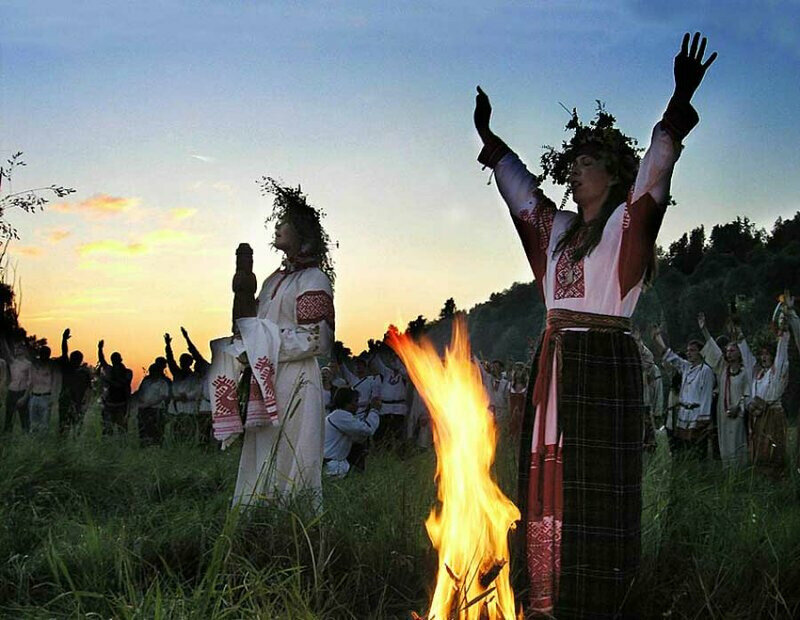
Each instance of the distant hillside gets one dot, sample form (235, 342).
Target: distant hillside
(736, 262)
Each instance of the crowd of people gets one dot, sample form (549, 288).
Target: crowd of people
(723, 400)
(36, 386)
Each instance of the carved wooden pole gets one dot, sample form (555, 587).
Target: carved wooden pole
(244, 285)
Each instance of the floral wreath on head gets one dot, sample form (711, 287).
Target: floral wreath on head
(290, 204)
(599, 137)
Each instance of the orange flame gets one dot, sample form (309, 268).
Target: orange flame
(470, 527)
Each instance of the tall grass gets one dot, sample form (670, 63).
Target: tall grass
(94, 527)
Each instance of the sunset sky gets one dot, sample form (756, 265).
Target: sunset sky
(163, 114)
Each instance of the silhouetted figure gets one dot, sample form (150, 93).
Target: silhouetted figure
(40, 395)
(75, 382)
(116, 380)
(19, 381)
(187, 389)
(152, 399)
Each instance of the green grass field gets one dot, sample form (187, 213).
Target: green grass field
(103, 529)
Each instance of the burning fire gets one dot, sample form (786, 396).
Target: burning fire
(470, 527)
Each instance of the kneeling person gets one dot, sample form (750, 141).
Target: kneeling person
(343, 428)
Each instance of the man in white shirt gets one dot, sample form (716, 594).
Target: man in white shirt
(693, 418)
(393, 390)
(367, 386)
(152, 399)
(343, 428)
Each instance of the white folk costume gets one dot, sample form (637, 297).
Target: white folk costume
(734, 392)
(696, 395)
(393, 389)
(653, 394)
(588, 408)
(768, 426)
(342, 429)
(368, 387)
(283, 433)
(498, 390)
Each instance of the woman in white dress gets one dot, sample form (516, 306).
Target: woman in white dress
(283, 433)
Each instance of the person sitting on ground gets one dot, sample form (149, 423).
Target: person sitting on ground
(343, 429)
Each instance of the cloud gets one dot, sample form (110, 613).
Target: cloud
(110, 247)
(28, 250)
(54, 236)
(204, 158)
(145, 244)
(179, 214)
(99, 205)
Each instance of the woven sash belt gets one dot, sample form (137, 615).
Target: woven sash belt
(558, 320)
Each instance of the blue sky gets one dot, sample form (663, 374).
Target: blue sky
(177, 108)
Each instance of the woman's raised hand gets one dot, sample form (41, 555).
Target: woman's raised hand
(689, 66)
(483, 112)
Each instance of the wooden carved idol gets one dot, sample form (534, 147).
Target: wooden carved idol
(244, 285)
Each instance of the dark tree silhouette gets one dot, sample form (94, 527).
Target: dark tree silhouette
(448, 311)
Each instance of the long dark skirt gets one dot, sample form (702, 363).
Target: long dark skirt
(600, 414)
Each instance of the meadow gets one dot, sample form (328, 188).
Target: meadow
(96, 527)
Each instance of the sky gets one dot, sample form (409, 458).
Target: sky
(162, 116)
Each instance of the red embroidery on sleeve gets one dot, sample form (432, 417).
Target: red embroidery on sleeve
(640, 224)
(534, 226)
(314, 307)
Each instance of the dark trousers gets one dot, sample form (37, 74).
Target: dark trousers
(151, 426)
(115, 418)
(69, 414)
(12, 402)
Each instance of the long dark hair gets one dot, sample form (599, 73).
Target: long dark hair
(290, 205)
(587, 235)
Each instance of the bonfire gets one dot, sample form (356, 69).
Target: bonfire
(469, 526)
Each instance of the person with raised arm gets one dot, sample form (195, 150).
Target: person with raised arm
(200, 376)
(580, 472)
(767, 418)
(75, 382)
(693, 416)
(116, 379)
(734, 379)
